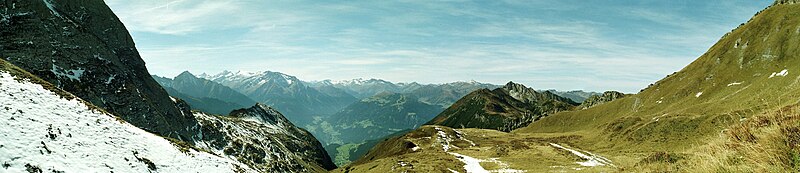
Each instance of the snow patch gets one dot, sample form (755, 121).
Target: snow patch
(735, 83)
(443, 139)
(461, 135)
(49, 4)
(40, 128)
(473, 165)
(592, 160)
(782, 73)
(71, 74)
(287, 78)
(110, 78)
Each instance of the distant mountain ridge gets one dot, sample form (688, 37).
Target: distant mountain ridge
(577, 96)
(204, 95)
(300, 103)
(192, 85)
(363, 88)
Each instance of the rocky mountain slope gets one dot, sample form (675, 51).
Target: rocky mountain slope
(734, 109)
(83, 48)
(504, 109)
(45, 129)
(264, 139)
(300, 103)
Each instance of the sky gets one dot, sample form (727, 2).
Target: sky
(592, 45)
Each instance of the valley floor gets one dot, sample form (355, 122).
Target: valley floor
(479, 150)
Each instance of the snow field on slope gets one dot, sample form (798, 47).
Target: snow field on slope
(41, 130)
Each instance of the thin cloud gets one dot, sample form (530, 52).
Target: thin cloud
(545, 44)
(178, 17)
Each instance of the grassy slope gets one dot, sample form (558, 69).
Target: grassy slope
(669, 126)
(669, 116)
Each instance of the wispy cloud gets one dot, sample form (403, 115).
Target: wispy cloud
(592, 45)
(176, 17)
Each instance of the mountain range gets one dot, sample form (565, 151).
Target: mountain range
(347, 133)
(384, 108)
(577, 96)
(205, 95)
(293, 97)
(363, 88)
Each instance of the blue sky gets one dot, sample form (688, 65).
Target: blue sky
(592, 45)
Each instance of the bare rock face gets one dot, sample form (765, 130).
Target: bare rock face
(529, 95)
(606, 97)
(81, 47)
(778, 2)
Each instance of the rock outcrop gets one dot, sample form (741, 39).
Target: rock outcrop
(606, 97)
(262, 138)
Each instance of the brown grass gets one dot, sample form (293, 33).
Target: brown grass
(766, 143)
(769, 142)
